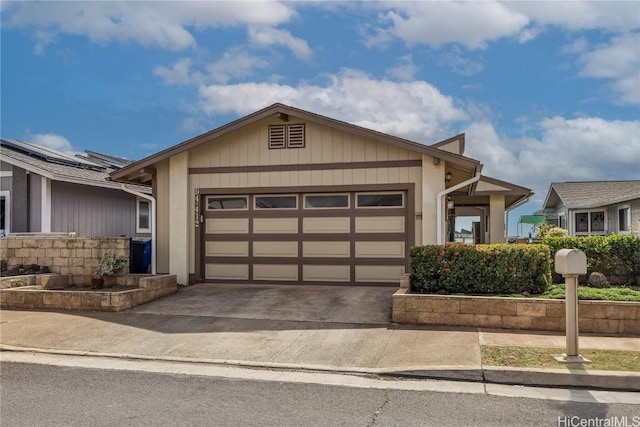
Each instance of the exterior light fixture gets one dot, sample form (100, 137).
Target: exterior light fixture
(447, 177)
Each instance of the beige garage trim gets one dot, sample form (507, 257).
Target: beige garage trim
(222, 248)
(326, 249)
(378, 273)
(326, 273)
(275, 249)
(275, 225)
(326, 225)
(227, 225)
(380, 249)
(227, 271)
(380, 224)
(275, 272)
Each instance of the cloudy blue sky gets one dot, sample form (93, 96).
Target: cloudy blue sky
(545, 91)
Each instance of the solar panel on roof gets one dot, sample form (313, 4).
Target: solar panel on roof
(50, 155)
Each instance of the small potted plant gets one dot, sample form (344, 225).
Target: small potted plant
(110, 263)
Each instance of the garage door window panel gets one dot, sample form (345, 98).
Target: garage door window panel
(227, 203)
(276, 202)
(326, 201)
(380, 200)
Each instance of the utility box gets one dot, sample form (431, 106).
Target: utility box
(571, 261)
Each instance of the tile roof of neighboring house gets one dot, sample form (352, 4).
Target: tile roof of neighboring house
(591, 194)
(59, 166)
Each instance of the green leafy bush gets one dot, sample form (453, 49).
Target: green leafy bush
(481, 269)
(613, 255)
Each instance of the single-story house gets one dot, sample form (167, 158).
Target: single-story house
(43, 190)
(285, 195)
(594, 207)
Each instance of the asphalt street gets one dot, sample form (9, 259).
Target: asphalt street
(47, 395)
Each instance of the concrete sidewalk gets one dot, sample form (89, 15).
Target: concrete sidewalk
(446, 353)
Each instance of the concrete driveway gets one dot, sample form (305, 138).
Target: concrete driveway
(334, 304)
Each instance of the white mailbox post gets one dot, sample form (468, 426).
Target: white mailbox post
(571, 263)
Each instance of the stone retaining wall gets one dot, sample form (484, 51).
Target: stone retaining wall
(75, 256)
(147, 288)
(606, 317)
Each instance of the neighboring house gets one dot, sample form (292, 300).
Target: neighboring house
(594, 207)
(284, 195)
(464, 236)
(44, 190)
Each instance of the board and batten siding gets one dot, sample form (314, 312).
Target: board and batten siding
(92, 211)
(323, 145)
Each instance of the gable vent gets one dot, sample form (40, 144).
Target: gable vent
(295, 136)
(277, 136)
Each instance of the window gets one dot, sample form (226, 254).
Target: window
(326, 201)
(286, 136)
(624, 219)
(227, 203)
(597, 221)
(380, 200)
(276, 202)
(590, 222)
(5, 213)
(143, 224)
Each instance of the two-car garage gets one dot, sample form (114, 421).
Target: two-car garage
(306, 237)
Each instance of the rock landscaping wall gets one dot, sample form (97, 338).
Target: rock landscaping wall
(605, 317)
(144, 288)
(75, 256)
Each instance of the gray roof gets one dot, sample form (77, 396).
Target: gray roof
(56, 166)
(592, 194)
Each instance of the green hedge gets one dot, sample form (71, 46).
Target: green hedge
(481, 269)
(613, 255)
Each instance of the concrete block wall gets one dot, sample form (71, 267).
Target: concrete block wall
(75, 256)
(606, 317)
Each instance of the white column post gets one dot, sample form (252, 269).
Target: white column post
(45, 209)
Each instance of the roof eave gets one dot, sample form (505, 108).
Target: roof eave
(121, 174)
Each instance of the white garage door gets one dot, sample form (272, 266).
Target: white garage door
(306, 238)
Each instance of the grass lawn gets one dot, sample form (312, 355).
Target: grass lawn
(588, 293)
(533, 357)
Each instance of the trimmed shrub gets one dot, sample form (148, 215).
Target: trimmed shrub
(613, 255)
(481, 269)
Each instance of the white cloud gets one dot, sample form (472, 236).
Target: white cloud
(162, 24)
(42, 39)
(268, 36)
(619, 61)
(474, 24)
(51, 140)
(614, 16)
(405, 70)
(454, 59)
(589, 148)
(179, 73)
(234, 64)
(436, 23)
(415, 110)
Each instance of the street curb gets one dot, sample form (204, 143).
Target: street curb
(575, 378)
(604, 380)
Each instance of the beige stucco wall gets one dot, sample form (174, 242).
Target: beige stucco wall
(432, 183)
(496, 219)
(180, 247)
(161, 192)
